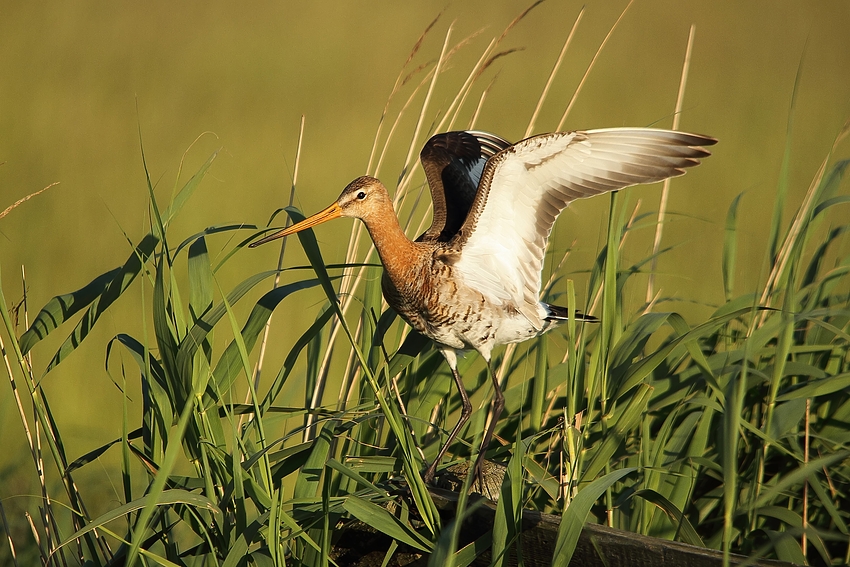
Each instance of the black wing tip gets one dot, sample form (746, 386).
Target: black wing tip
(560, 313)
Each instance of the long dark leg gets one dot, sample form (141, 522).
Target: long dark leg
(495, 412)
(465, 412)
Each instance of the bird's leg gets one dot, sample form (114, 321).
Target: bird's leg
(465, 412)
(495, 411)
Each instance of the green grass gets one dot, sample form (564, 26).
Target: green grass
(730, 432)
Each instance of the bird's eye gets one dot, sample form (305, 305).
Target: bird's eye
(361, 195)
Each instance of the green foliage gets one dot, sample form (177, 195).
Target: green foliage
(733, 433)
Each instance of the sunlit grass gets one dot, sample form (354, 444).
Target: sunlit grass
(730, 433)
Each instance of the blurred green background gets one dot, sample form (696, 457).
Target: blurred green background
(81, 82)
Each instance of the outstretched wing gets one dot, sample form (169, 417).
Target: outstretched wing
(525, 187)
(453, 163)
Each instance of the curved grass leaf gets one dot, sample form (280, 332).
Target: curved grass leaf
(230, 362)
(817, 388)
(310, 334)
(215, 229)
(827, 203)
(238, 550)
(157, 397)
(626, 420)
(576, 513)
(786, 546)
(354, 475)
(797, 476)
(95, 453)
(58, 310)
(200, 281)
(642, 368)
(198, 332)
(166, 498)
(380, 519)
(186, 191)
(62, 307)
(684, 528)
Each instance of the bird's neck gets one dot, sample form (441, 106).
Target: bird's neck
(398, 254)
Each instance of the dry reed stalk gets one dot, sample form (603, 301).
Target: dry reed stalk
(264, 340)
(590, 67)
(665, 190)
(552, 75)
(400, 80)
(23, 200)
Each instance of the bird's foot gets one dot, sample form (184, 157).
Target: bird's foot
(430, 473)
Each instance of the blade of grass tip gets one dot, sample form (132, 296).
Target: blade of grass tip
(552, 74)
(780, 263)
(481, 100)
(665, 189)
(792, 245)
(784, 171)
(265, 339)
(174, 191)
(590, 66)
(37, 539)
(62, 307)
(385, 522)
(166, 498)
(730, 248)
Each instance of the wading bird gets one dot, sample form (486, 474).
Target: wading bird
(472, 280)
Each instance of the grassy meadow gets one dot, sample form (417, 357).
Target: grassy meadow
(194, 402)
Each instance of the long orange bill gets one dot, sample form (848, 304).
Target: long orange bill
(332, 212)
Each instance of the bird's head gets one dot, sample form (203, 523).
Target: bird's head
(362, 198)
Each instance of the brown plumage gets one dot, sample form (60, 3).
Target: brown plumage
(472, 280)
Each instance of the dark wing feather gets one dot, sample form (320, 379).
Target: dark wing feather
(453, 163)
